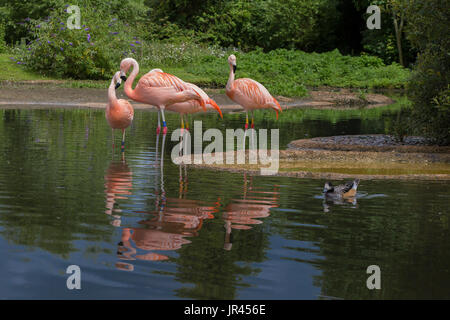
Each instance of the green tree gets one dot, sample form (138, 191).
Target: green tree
(389, 41)
(429, 87)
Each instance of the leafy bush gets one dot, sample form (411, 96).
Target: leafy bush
(301, 24)
(429, 85)
(288, 72)
(92, 52)
(430, 93)
(3, 46)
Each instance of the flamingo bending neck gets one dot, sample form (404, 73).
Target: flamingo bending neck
(129, 82)
(112, 91)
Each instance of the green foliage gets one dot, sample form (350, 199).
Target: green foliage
(301, 24)
(429, 91)
(19, 12)
(289, 72)
(382, 42)
(13, 71)
(400, 126)
(3, 47)
(91, 52)
(429, 85)
(110, 33)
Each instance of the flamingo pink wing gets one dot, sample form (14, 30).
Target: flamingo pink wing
(162, 79)
(253, 90)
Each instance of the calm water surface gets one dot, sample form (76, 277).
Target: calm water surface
(139, 230)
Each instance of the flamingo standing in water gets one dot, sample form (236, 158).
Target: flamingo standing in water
(193, 106)
(157, 88)
(119, 112)
(249, 93)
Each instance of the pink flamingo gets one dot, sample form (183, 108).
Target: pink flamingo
(119, 112)
(193, 106)
(249, 93)
(157, 88)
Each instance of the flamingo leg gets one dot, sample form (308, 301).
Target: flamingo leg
(158, 129)
(112, 138)
(163, 191)
(123, 140)
(181, 135)
(163, 121)
(246, 120)
(245, 131)
(157, 148)
(185, 140)
(253, 131)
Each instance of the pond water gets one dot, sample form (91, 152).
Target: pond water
(142, 230)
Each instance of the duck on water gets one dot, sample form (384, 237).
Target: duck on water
(342, 191)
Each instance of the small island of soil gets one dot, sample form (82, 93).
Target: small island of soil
(358, 156)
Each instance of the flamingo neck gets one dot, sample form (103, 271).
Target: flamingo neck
(230, 78)
(128, 84)
(112, 94)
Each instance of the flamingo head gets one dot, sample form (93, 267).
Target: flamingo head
(125, 65)
(232, 62)
(117, 79)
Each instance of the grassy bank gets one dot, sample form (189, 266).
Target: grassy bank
(283, 72)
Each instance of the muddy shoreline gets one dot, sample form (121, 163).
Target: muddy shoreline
(49, 95)
(386, 160)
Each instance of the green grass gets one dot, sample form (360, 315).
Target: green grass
(290, 73)
(15, 72)
(283, 72)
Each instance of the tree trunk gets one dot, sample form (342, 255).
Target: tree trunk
(398, 36)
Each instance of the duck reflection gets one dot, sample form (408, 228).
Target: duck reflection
(329, 202)
(173, 221)
(243, 213)
(118, 185)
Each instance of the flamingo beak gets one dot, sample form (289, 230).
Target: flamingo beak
(123, 76)
(117, 85)
(234, 68)
(277, 109)
(215, 106)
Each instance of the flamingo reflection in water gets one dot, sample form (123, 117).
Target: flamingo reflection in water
(241, 214)
(173, 220)
(118, 185)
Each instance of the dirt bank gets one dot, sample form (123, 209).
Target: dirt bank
(339, 161)
(50, 94)
(373, 142)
